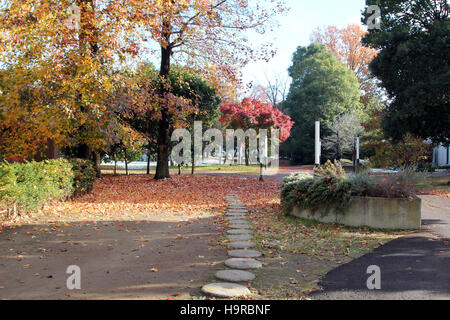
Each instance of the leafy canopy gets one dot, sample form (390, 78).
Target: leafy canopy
(413, 66)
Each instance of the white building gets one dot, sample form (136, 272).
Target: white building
(441, 156)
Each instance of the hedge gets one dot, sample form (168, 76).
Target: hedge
(26, 187)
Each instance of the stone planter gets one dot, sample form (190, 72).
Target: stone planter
(379, 213)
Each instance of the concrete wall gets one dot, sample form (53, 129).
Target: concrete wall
(380, 213)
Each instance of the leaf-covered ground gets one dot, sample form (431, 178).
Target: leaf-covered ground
(140, 197)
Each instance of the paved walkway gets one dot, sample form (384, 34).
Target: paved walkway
(414, 267)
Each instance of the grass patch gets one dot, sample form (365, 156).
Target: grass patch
(435, 185)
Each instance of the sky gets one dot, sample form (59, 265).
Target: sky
(295, 30)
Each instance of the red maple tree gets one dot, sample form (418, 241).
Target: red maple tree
(254, 114)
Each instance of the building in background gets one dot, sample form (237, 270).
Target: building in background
(441, 156)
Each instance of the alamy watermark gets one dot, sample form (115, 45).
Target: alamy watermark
(374, 281)
(253, 147)
(74, 280)
(374, 20)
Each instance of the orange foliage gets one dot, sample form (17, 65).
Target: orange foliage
(346, 45)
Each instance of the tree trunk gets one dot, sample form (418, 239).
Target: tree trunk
(115, 164)
(193, 161)
(162, 167)
(97, 163)
(126, 161)
(148, 164)
(84, 152)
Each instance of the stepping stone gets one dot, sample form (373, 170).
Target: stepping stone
(226, 290)
(240, 237)
(246, 224)
(244, 254)
(237, 213)
(240, 226)
(241, 244)
(238, 221)
(243, 263)
(234, 220)
(242, 221)
(236, 216)
(235, 275)
(239, 231)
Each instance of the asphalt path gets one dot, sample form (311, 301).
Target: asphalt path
(415, 267)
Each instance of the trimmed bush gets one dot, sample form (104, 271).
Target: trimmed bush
(84, 176)
(28, 186)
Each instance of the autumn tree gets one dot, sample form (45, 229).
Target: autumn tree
(346, 46)
(57, 59)
(254, 114)
(208, 36)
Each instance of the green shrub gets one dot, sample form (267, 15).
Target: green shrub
(334, 192)
(330, 168)
(28, 186)
(361, 183)
(318, 193)
(84, 176)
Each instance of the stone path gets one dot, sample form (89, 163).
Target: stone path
(242, 258)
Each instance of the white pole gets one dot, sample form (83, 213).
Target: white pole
(317, 144)
(357, 149)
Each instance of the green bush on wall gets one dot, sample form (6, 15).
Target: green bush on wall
(315, 193)
(28, 186)
(331, 189)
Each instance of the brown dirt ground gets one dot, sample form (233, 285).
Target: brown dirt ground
(118, 259)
